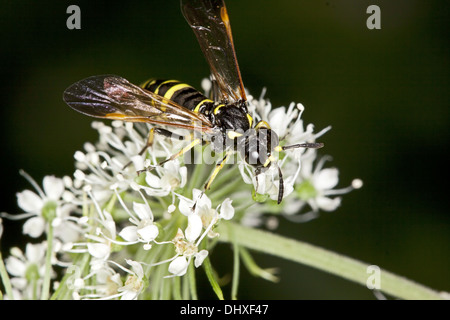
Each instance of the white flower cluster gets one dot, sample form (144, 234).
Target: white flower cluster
(120, 233)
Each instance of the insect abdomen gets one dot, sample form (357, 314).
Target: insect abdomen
(180, 93)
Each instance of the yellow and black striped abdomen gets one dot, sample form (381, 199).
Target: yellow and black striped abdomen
(180, 93)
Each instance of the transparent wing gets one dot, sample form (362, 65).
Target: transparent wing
(113, 97)
(211, 25)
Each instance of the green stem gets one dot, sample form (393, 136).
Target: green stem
(212, 278)
(192, 283)
(322, 259)
(48, 264)
(236, 274)
(254, 269)
(5, 278)
(176, 288)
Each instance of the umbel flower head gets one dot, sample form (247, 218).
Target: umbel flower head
(122, 226)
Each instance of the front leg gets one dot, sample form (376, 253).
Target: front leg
(151, 139)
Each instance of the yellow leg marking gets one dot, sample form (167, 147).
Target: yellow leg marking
(278, 148)
(150, 138)
(233, 134)
(269, 160)
(218, 167)
(182, 151)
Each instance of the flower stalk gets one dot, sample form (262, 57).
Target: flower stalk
(322, 259)
(5, 279)
(48, 264)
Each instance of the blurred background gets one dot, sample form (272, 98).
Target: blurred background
(385, 93)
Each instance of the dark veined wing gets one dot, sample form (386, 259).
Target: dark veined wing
(113, 97)
(211, 25)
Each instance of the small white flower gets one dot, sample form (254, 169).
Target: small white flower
(27, 270)
(144, 230)
(103, 282)
(179, 266)
(113, 161)
(316, 188)
(279, 117)
(135, 282)
(108, 284)
(102, 238)
(166, 179)
(317, 185)
(186, 247)
(203, 209)
(42, 207)
(103, 242)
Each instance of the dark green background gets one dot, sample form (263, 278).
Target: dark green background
(385, 92)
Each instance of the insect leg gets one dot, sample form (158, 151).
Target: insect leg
(174, 156)
(182, 151)
(219, 166)
(280, 186)
(151, 138)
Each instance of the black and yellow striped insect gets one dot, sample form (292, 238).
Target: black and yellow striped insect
(223, 119)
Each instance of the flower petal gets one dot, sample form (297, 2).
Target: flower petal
(129, 295)
(227, 210)
(244, 173)
(185, 206)
(129, 233)
(178, 266)
(53, 187)
(326, 179)
(152, 180)
(328, 204)
(98, 250)
(35, 252)
(148, 233)
(201, 199)
(29, 201)
(183, 176)
(279, 120)
(194, 227)
(143, 211)
(34, 227)
(199, 257)
(138, 162)
(15, 267)
(137, 268)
